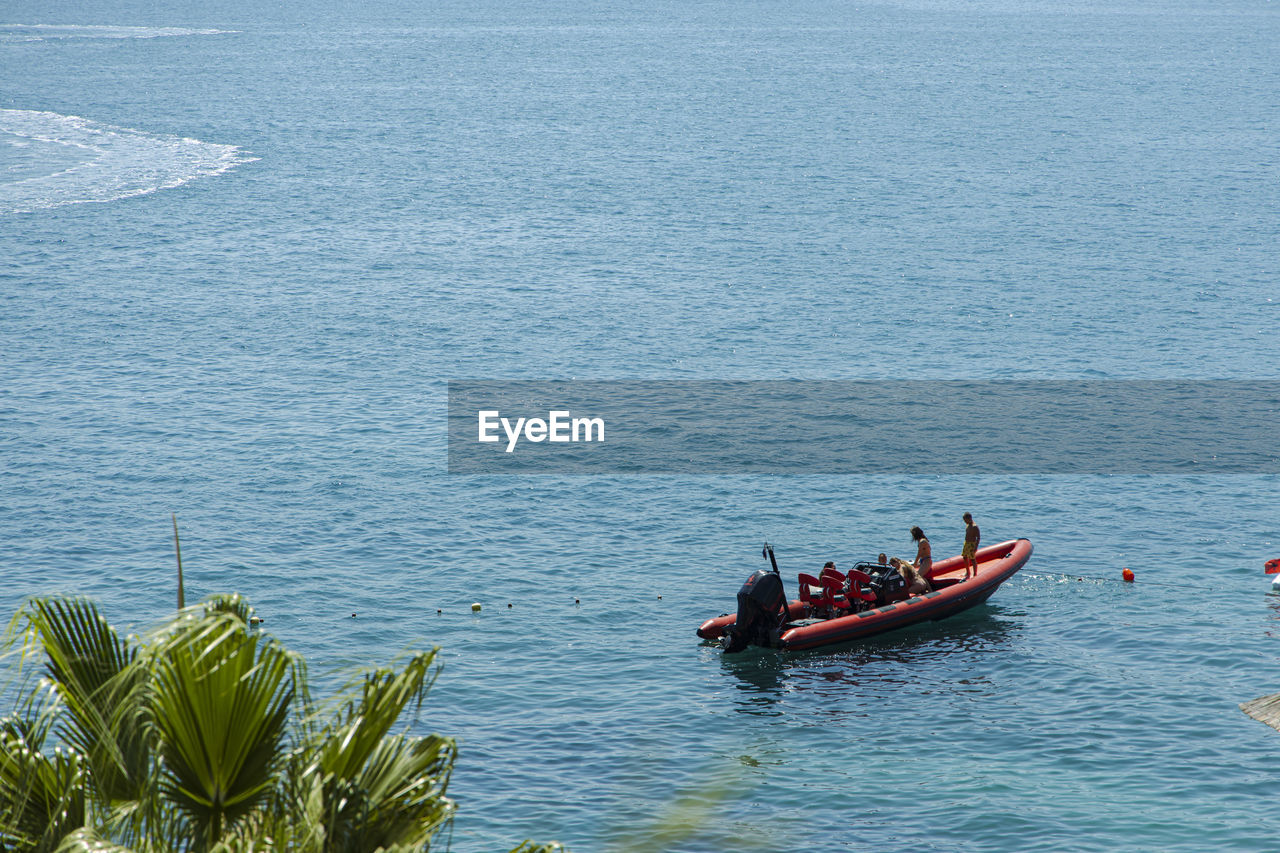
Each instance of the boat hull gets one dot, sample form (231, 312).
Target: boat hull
(953, 594)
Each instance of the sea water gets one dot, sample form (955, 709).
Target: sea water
(243, 247)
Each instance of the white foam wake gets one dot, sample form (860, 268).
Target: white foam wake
(49, 160)
(41, 32)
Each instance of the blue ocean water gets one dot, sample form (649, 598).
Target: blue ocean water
(243, 247)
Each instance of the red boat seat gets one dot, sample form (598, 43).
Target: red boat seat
(815, 593)
(856, 590)
(833, 587)
(832, 581)
(826, 594)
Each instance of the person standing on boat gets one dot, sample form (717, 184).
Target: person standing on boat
(924, 554)
(972, 536)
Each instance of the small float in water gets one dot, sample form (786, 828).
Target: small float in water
(868, 600)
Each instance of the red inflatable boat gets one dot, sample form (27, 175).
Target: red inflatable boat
(839, 607)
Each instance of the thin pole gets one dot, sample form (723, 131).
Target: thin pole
(177, 547)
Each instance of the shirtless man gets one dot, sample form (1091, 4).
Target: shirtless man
(972, 536)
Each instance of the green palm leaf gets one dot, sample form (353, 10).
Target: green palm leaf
(93, 674)
(201, 738)
(41, 797)
(373, 790)
(220, 699)
(397, 798)
(88, 840)
(384, 694)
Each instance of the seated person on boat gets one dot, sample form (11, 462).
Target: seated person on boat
(917, 584)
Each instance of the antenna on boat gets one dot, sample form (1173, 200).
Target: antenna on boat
(768, 552)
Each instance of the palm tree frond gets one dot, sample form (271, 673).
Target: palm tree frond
(201, 738)
(403, 789)
(41, 797)
(234, 604)
(87, 840)
(220, 702)
(378, 790)
(92, 670)
(384, 694)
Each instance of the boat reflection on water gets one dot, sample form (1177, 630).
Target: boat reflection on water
(863, 672)
(1273, 605)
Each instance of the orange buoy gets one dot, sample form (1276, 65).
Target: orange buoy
(1127, 574)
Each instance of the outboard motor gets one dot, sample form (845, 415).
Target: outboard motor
(761, 610)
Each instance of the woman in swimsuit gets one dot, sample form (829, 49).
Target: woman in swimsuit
(924, 554)
(916, 583)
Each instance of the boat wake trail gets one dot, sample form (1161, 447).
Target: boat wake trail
(43, 32)
(49, 160)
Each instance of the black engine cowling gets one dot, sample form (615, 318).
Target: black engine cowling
(888, 584)
(762, 604)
